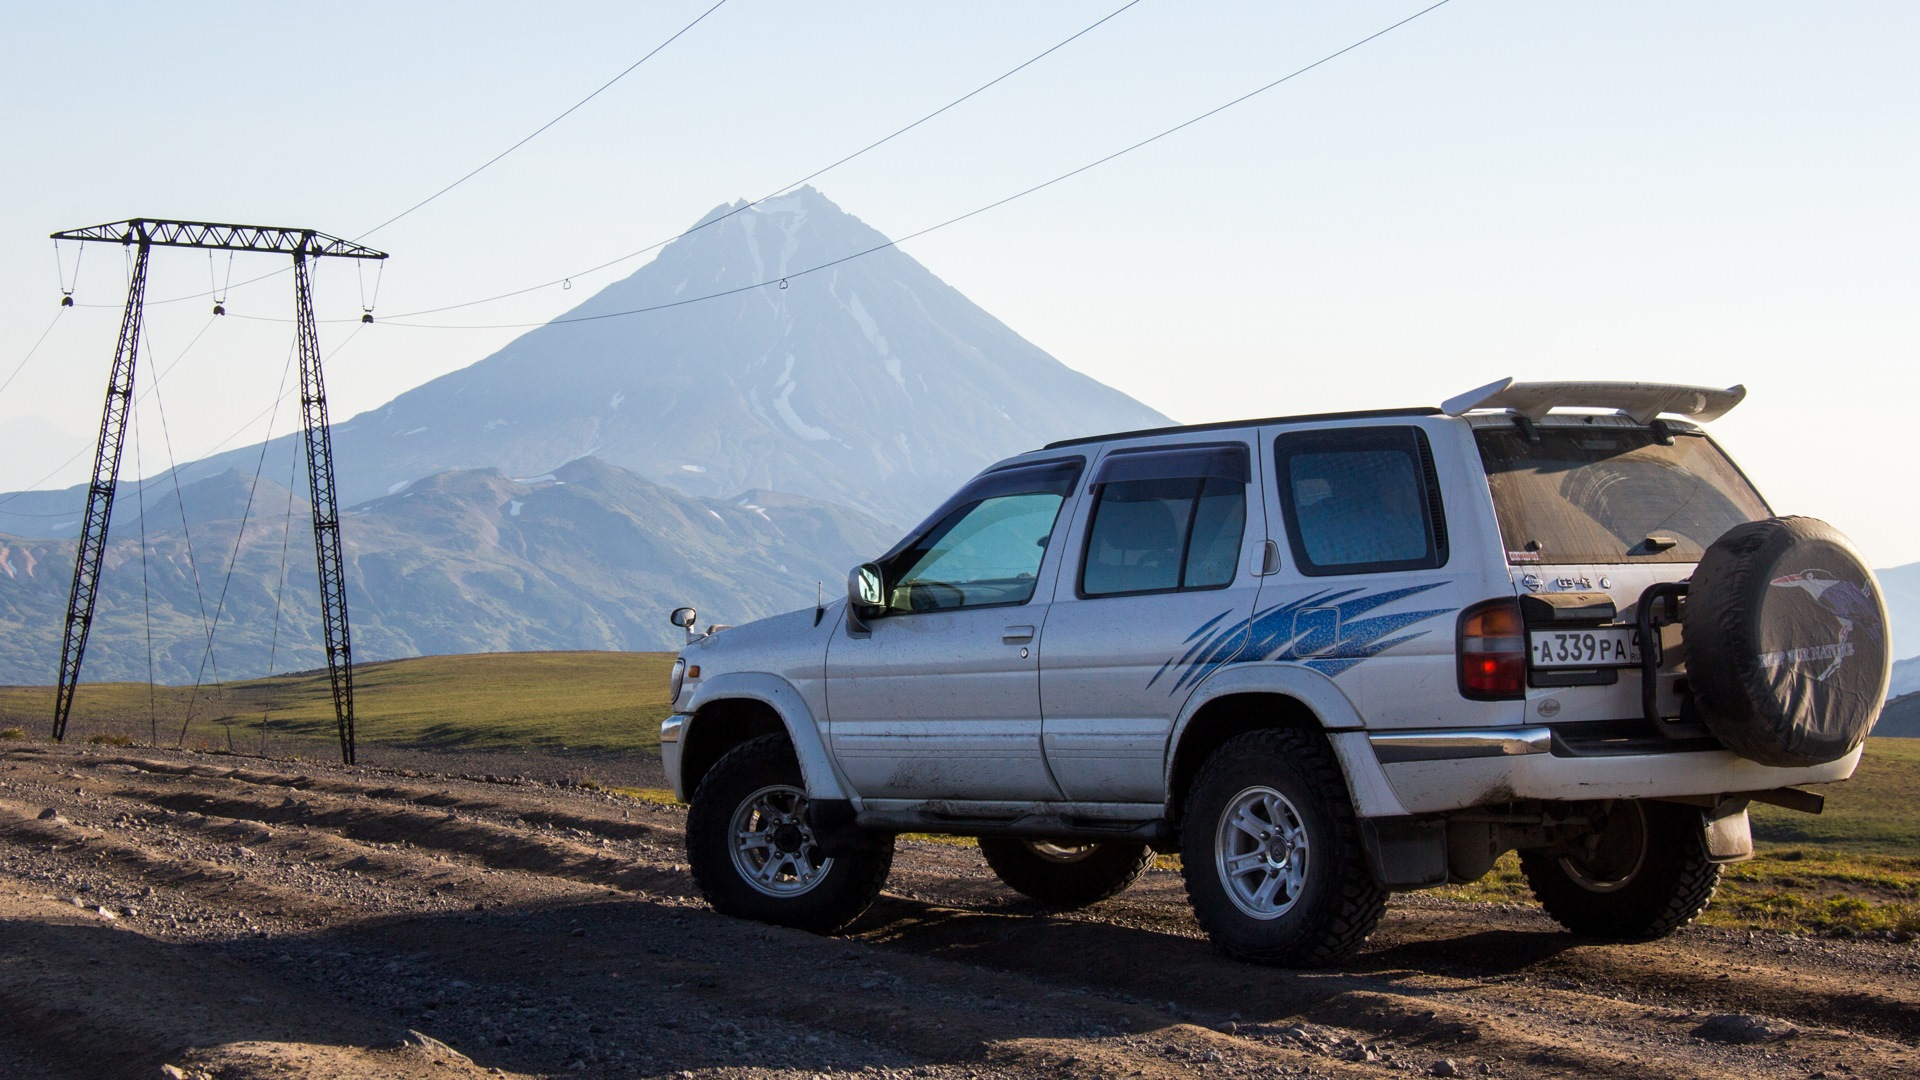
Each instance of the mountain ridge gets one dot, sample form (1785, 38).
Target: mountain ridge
(589, 557)
(871, 383)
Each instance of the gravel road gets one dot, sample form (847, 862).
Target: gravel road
(168, 914)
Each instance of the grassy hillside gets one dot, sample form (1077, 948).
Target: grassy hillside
(1900, 718)
(580, 700)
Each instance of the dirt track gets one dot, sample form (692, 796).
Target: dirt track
(241, 918)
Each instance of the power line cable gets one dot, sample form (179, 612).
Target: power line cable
(186, 531)
(1148, 141)
(569, 112)
(240, 535)
(36, 348)
(783, 189)
(146, 604)
(279, 599)
(89, 447)
(489, 163)
(209, 452)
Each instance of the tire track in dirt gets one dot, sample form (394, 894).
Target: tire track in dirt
(546, 930)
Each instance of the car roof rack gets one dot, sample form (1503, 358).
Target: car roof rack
(1639, 401)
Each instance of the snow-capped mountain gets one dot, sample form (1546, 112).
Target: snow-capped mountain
(872, 383)
(568, 490)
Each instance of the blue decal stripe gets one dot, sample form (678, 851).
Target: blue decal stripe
(1331, 638)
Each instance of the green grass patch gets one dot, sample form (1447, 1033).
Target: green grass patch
(1853, 869)
(592, 701)
(1875, 813)
(657, 796)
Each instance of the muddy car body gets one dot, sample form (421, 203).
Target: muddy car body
(1323, 657)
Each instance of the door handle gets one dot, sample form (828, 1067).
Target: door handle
(1017, 633)
(1268, 561)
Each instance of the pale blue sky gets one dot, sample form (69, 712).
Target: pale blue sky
(1702, 192)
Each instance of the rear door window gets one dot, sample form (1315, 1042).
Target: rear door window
(1166, 520)
(1612, 494)
(1360, 500)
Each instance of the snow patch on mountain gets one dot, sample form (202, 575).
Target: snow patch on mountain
(783, 404)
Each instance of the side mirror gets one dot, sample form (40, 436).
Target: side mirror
(683, 617)
(866, 596)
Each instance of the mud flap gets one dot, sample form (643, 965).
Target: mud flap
(1405, 852)
(1729, 832)
(832, 822)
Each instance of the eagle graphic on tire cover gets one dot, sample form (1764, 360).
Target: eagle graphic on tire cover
(1848, 603)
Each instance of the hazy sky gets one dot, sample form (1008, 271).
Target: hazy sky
(1703, 192)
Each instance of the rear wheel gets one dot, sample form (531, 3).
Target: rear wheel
(1065, 876)
(1642, 875)
(1272, 855)
(754, 854)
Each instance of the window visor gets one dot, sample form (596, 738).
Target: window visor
(1217, 461)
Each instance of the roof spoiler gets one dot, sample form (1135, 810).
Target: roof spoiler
(1639, 401)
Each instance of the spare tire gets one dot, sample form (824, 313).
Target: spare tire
(1786, 642)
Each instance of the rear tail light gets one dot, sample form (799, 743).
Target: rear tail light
(1493, 651)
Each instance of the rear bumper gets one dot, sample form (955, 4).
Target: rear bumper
(670, 732)
(1441, 770)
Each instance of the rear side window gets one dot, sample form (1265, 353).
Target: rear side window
(1165, 521)
(1612, 495)
(1360, 500)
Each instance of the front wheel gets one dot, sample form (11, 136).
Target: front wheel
(1642, 875)
(754, 854)
(1066, 876)
(1272, 855)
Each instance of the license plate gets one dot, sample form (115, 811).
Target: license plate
(1610, 646)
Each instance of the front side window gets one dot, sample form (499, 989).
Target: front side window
(1360, 500)
(985, 548)
(1166, 521)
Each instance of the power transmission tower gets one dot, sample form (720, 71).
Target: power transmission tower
(143, 234)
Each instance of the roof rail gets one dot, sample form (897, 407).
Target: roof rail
(1639, 401)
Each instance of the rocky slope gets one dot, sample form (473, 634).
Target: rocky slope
(590, 556)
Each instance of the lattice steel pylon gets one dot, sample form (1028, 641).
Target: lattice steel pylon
(143, 234)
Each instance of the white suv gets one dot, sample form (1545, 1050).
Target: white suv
(1322, 657)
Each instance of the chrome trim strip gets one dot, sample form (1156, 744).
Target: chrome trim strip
(1401, 746)
(671, 727)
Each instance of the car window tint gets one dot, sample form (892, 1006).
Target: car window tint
(986, 552)
(1138, 536)
(1360, 500)
(1218, 523)
(1158, 535)
(1358, 507)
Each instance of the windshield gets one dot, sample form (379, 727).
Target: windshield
(1612, 495)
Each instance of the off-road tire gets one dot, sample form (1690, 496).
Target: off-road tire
(1337, 904)
(1061, 882)
(1672, 885)
(847, 884)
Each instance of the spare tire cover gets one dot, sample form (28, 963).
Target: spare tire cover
(1786, 642)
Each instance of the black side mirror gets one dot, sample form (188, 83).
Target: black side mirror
(683, 617)
(866, 596)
